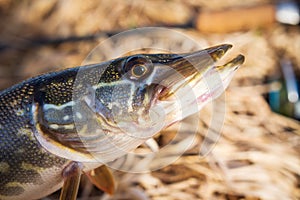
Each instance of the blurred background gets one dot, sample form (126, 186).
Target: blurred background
(258, 155)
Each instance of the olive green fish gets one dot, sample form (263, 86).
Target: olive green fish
(55, 126)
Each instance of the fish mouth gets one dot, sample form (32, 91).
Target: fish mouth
(193, 79)
(192, 68)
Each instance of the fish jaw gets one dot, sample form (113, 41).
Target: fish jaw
(193, 92)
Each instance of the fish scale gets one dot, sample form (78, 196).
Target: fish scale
(18, 145)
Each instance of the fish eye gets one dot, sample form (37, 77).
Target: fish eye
(139, 70)
(137, 67)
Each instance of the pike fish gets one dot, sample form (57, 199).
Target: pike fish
(56, 126)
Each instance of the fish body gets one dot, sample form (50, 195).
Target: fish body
(95, 114)
(26, 168)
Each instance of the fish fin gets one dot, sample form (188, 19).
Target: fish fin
(71, 175)
(103, 179)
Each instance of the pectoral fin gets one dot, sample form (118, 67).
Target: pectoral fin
(103, 179)
(71, 174)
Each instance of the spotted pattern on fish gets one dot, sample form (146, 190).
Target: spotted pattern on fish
(21, 156)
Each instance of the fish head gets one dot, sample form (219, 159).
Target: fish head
(151, 91)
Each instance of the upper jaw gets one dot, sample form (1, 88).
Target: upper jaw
(199, 61)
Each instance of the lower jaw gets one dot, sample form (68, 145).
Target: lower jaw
(177, 113)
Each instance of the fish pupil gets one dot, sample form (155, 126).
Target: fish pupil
(139, 70)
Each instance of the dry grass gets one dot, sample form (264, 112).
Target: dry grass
(257, 156)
